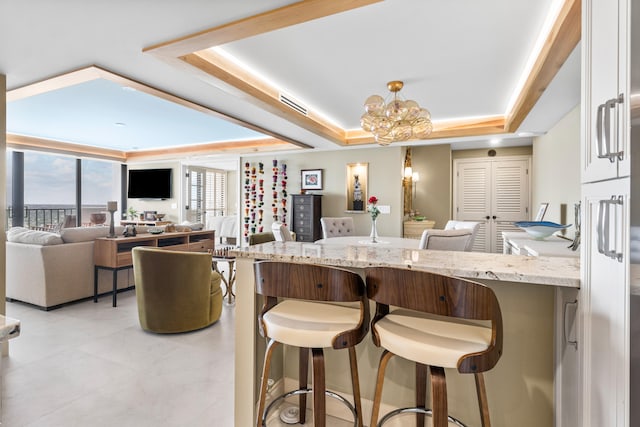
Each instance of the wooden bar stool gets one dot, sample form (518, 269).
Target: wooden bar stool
(308, 320)
(434, 323)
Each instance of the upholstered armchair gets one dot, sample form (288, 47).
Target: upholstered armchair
(176, 291)
(474, 226)
(337, 227)
(259, 238)
(281, 232)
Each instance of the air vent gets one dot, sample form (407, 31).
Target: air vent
(286, 100)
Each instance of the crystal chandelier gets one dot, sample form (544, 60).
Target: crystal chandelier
(398, 120)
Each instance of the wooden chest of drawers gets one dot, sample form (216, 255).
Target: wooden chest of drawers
(414, 229)
(305, 217)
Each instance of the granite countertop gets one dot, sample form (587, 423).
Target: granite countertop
(555, 271)
(9, 328)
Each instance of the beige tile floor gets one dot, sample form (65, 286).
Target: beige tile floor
(89, 365)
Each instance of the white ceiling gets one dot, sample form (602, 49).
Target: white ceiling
(458, 59)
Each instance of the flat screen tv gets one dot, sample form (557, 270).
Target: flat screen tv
(149, 184)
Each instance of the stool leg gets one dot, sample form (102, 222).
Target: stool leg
(355, 383)
(382, 367)
(319, 404)
(421, 392)
(439, 397)
(265, 378)
(482, 400)
(303, 372)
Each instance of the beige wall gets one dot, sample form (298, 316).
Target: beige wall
(384, 181)
(556, 170)
(161, 206)
(433, 190)
(484, 152)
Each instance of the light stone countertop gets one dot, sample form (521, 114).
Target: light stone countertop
(554, 271)
(9, 328)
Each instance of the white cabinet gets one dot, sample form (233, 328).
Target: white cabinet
(603, 301)
(605, 97)
(494, 192)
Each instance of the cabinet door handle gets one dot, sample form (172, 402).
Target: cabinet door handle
(599, 135)
(602, 206)
(565, 333)
(614, 103)
(604, 227)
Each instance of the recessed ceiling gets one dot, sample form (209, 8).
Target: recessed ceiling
(458, 59)
(101, 113)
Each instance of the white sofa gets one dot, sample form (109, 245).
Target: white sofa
(49, 270)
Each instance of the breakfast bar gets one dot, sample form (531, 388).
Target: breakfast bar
(520, 387)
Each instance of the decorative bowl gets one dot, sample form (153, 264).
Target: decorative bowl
(540, 229)
(98, 218)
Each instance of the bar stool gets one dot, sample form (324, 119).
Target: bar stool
(434, 323)
(307, 320)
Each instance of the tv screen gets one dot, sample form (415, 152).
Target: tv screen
(149, 184)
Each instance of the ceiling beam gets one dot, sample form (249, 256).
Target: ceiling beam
(286, 16)
(21, 142)
(563, 38)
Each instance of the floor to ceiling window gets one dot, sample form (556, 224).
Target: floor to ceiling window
(50, 185)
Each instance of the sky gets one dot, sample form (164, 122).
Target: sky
(50, 179)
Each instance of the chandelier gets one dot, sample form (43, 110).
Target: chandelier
(398, 120)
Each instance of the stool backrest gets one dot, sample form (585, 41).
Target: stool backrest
(439, 295)
(310, 282)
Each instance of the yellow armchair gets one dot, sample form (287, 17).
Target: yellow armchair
(176, 291)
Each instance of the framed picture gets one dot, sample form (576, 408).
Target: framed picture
(311, 179)
(541, 211)
(150, 215)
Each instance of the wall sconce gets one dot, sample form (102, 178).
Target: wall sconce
(415, 177)
(407, 183)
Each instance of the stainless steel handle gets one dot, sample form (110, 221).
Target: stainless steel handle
(565, 334)
(613, 103)
(604, 228)
(602, 206)
(599, 136)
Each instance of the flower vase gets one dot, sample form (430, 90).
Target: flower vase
(374, 232)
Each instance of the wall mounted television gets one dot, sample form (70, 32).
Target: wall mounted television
(149, 184)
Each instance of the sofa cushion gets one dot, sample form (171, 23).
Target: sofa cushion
(34, 237)
(86, 234)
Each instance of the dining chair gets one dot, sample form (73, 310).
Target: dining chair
(281, 232)
(337, 226)
(447, 240)
(437, 322)
(474, 226)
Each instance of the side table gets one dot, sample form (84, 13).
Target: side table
(230, 279)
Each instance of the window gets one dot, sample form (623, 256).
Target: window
(100, 182)
(206, 190)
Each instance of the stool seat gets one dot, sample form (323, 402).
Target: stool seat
(309, 324)
(428, 339)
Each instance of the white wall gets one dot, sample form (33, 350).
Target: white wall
(556, 169)
(384, 182)
(161, 206)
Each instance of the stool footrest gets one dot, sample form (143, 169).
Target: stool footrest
(308, 391)
(416, 410)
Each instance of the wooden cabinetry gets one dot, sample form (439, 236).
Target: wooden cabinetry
(115, 253)
(305, 217)
(414, 229)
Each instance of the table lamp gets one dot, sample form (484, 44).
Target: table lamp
(112, 206)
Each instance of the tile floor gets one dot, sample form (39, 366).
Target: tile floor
(91, 365)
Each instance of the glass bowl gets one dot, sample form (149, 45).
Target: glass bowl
(540, 229)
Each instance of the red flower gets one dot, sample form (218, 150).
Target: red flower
(373, 200)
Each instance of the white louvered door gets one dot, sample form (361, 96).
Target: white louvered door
(494, 192)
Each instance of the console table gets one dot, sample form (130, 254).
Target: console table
(142, 222)
(115, 253)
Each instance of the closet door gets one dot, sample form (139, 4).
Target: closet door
(472, 184)
(494, 192)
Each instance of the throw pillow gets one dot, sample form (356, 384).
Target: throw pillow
(34, 237)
